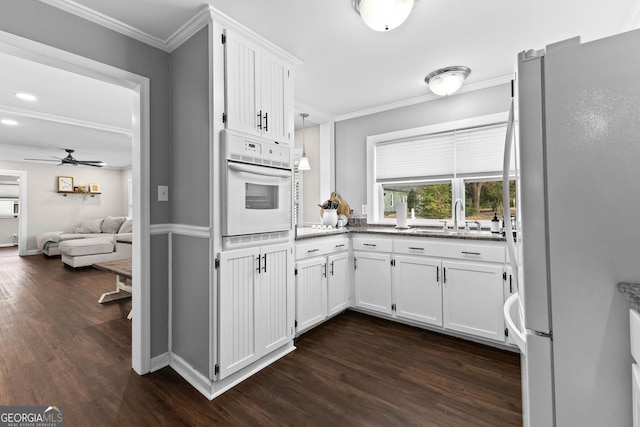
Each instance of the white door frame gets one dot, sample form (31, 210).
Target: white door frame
(22, 211)
(44, 54)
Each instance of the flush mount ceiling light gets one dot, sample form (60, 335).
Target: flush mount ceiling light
(9, 122)
(448, 80)
(25, 96)
(303, 165)
(383, 15)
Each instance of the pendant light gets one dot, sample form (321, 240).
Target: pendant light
(303, 165)
(448, 80)
(383, 15)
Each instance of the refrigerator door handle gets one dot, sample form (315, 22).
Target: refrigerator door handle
(511, 307)
(506, 169)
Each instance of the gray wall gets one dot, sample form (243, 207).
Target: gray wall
(40, 22)
(190, 190)
(160, 299)
(190, 301)
(190, 186)
(351, 135)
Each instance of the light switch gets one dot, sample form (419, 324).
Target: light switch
(364, 209)
(163, 193)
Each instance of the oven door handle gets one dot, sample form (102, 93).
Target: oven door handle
(259, 170)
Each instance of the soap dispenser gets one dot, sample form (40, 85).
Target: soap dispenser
(495, 224)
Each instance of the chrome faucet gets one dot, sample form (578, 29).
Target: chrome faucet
(455, 213)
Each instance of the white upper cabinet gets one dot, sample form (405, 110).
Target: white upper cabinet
(259, 89)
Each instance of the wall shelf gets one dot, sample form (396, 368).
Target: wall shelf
(65, 193)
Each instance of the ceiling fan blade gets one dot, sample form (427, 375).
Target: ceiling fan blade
(94, 163)
(44, 160)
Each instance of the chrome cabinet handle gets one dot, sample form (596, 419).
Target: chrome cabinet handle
(340, 246)
(266, 122)
(370, 244)
(313, 250)
(332, 268)
(416, 249)
(260, 120)
(264, 270)
(437, 274)
(324, 270)
(259, 264)
(471, 253)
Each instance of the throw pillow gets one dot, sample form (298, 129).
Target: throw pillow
(127, 227)
(90, 226)
(111, 224)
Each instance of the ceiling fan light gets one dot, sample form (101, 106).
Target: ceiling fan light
(384, 15)
(446, 81)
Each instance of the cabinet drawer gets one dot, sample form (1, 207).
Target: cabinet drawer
(372, 244)
(417, 247)
(474, 252)
(321, 246)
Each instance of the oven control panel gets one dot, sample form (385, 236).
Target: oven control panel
(249, 149)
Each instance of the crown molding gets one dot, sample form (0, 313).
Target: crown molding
(65, 120)
(108, 22)
(192, 26)
(424, 98)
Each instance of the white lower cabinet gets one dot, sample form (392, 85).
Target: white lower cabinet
(338, 289)
(255, 305)
(458, 286)
(373, 281)
(322, 280)
(311, 292)
(473, 298)
(418, 294)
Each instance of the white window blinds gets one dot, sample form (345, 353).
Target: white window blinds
(474, 151)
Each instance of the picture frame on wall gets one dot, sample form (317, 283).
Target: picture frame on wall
(65, 184)
(94, 188)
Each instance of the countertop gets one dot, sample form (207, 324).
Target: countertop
(631, 292)
(309, 233)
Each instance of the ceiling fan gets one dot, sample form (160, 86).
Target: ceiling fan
(70, 160)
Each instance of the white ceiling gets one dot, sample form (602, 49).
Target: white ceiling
(348, 69)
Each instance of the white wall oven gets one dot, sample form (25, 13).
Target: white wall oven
(256, 190)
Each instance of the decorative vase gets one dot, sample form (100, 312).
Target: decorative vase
(330, 217)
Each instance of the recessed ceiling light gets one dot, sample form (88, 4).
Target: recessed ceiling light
(8, 122)
(25, 96)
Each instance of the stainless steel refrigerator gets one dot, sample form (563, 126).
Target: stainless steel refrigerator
(577, 145)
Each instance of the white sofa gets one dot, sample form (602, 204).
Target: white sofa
(96, 240)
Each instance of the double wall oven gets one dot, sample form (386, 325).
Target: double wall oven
(256, 190)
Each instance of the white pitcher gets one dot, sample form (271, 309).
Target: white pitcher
(330, 217)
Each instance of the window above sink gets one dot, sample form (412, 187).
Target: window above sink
(432, 167)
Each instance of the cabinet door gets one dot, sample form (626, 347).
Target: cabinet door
(242, 96)
(311, 292)
(473, 299)
(273, 302)
(237, 335)
(338, 289)
(274, 104)
(418, 295)
(373, 281)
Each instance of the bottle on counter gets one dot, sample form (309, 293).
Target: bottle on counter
(495, 224)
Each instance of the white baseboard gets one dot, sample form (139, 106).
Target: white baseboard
(219, 387)
(212, 389)
(193, 377)
(161, 361)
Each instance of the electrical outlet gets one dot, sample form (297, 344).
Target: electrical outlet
(364, 209)
(163, 193)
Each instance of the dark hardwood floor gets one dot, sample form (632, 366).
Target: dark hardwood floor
(58, 346)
